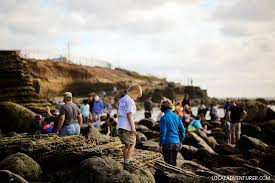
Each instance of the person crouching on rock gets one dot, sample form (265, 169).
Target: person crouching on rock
(172, 133)
(70, 118)
(36, 124)
(125, 125)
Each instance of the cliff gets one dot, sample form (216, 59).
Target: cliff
(16, 84)
(53, 78)
(27, 82)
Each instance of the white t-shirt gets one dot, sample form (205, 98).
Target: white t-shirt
(125, 105)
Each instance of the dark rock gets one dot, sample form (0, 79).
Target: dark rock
(142, 128)
(149, 123)
(15, 118)
(254, 154)
(7, 176)
(189, 172)
(227, 170)
(156, 127)
(94, 133)
(257, 111)
(97, 169)
(235, 160)
(269, 132)
(226, 149)
(208, 158)
(188, 152)
(22, 165)
(268, 162)
(193, 139)
(140, 137)
(142, 176)
(251, 130)
(151, 134)
(148, 145)
(211, 141)
(246, 143)
(104, 169)
(219, 135)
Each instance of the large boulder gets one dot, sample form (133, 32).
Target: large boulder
(268, 129)
(148, 145)
(7, 176)
(15, 117)
(208, 158)
(142, 128)
(22, 165)
(93, 133)
(97, 169)
(152, 134)
(142, 176)
(188, 152)
(251, 130)
(247, 143)
(150, 123)
(104, 169)
(140, 137)
(257, 111)
(219, 135)
(193, 139)
(226, 149)
(235, 160)
(211, 141)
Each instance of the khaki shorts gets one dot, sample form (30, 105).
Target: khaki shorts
(126, 137)
(235, 128)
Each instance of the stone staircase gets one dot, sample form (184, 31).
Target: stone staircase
(15, 82)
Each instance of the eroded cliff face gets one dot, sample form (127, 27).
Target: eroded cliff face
(56, 77)
(16, 84)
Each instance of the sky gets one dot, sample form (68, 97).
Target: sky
(226, 47)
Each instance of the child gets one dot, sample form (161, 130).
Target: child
(226, 129)
(125, 125)
(85, 111)
(35, 127)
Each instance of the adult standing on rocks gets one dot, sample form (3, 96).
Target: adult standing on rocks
(70, 118)
(148, 107)
(236, 114)
(172, 133)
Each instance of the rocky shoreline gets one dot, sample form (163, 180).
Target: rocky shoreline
(95, 157)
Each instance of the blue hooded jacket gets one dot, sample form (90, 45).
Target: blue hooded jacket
(172, 130)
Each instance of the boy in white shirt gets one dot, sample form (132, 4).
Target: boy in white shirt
(125, 125)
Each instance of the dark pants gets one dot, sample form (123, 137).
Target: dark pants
(170, 156)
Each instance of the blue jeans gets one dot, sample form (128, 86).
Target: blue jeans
(71, 129)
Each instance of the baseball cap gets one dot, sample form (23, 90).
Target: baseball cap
(68, 95)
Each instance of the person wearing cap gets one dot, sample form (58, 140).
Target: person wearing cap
(36, 125)
(70, 118)
(172, 133)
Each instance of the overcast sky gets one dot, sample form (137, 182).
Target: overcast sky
(226, 47)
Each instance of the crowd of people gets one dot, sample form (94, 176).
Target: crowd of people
(175, 118)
